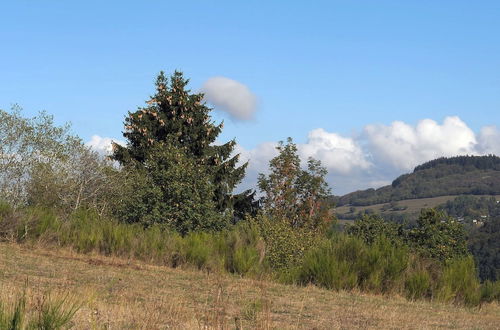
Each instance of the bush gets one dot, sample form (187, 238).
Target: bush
(347, 262)
(459, 282)
(371, 227)
(322, 267)
(262, 247)
(245, 250)
(285, 245)
(418, 285)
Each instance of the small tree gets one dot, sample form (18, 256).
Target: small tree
(372, 227)
(292, 194)
(438, 236)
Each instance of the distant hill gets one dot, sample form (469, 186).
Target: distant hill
(461, 175)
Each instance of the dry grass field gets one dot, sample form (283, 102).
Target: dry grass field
(124, 294)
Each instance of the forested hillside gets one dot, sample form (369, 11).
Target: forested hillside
(474, 175)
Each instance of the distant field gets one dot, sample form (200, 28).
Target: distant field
(124, 294)
(412, 205)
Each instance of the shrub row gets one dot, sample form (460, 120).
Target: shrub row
(261, 247)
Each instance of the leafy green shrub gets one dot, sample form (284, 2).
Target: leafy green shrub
(285, 245)
(371, 227)
(438, 236)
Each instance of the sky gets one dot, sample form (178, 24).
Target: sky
(370, 88)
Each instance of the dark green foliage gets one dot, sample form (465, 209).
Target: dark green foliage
(171, 189)
(245, 204)
(476, 175)
(371, 227)
(470, 207)
(171, 144)
(438, 236)
(479, 162)
(490, 291)
(484, 244)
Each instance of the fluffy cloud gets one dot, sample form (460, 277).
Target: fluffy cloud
(381, 153)
(230, 96)
(102, 144)
(342, 156)
(337, 153)
(489, 140)
(404, 146)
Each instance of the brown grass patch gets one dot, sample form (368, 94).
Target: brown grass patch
(125, 294)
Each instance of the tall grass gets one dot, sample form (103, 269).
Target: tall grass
(345, 262)
(40, 312)
(256, 249)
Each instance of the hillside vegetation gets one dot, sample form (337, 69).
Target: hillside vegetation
(122, 293)
(461, 175)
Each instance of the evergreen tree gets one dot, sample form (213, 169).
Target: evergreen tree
(175, 121)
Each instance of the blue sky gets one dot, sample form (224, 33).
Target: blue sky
(350, 68)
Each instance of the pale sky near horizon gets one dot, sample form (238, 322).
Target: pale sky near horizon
(371, 88)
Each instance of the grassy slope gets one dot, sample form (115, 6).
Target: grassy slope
(118, 293)
(413, 205)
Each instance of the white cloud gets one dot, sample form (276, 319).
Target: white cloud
(489, 140)
(102, 144)
(404, 146)
(258, 161)
(381, 153)
(230, 96)
(337, 153)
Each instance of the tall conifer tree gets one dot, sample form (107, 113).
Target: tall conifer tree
(175, 118)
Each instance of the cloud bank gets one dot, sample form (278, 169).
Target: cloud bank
(381, 153)
(230, 96)
(403, 146)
